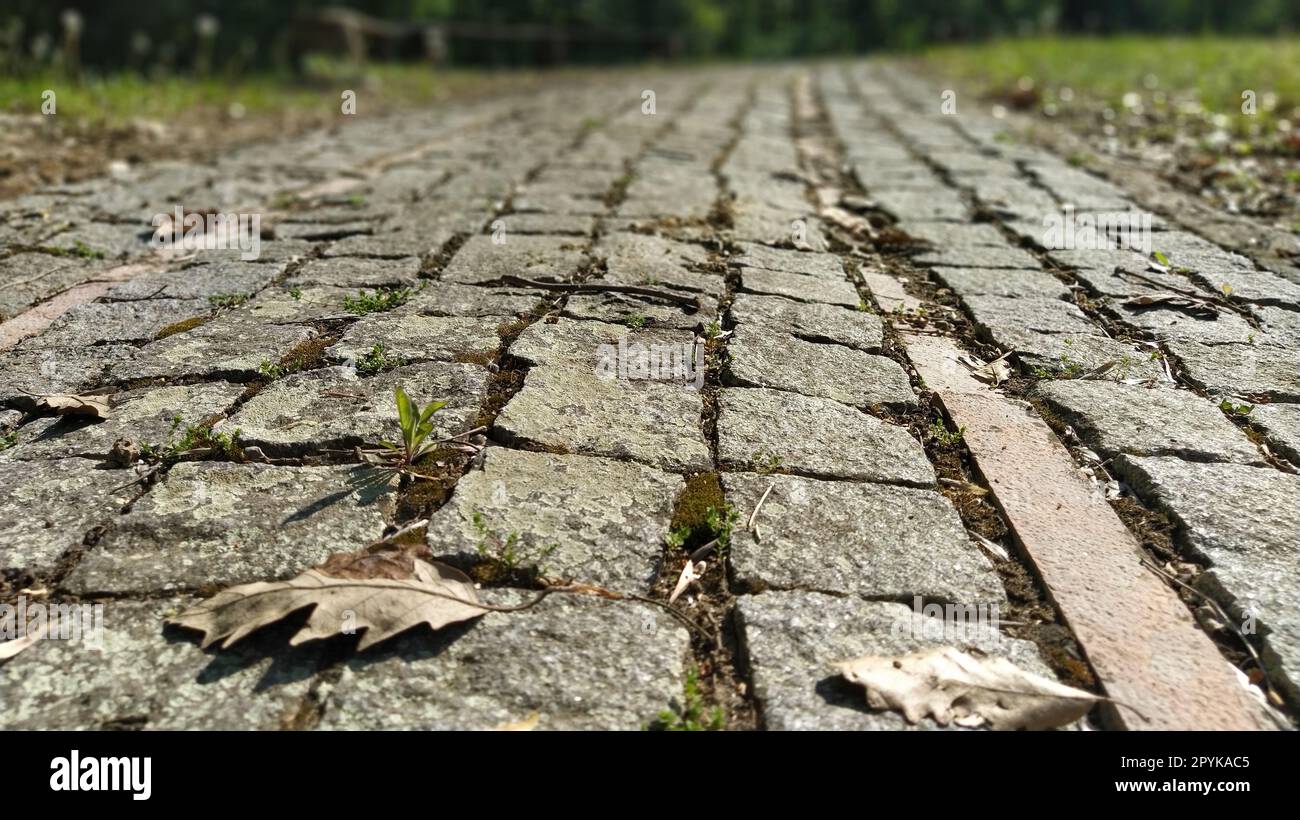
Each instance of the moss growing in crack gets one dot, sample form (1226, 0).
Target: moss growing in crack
(702, 515)
(692, 715)
(79, 249)
(8, 440)
(478, 357)
(180, 327)
(306, 355)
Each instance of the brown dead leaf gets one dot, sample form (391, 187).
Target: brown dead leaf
(67, 404)
(994, 372)
(954, 686)
(383, 593)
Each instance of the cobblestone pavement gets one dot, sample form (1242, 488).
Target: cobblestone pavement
(808, 215)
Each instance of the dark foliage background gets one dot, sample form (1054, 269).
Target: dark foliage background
(622, 30)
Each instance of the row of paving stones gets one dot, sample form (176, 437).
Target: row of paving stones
(212, 523)
(1175, 446)
(593, 465)
(850, 523)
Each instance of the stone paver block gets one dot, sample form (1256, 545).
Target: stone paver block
(816, 437)
(199, 281)
(636, 312)
(449, 299)
(1036, 284)
(29, 372)
(332, 408)
(225, 348)
(923, 204)
(29, 278)
(146, 417)
(142, 675)
(1243, 521)
(812, 322)
(50, 506)
(842, 537)
(217, 523)
(645, 260)
(764, 257)
(759, 356)
(1175, 325)
(117, 322)
(480, 260)
(793, 639)
(573, 410)
(420, 338)
(799, 287)
(549, 223)
(1057, 355)
(577, 663)
(979, 257)
(606, 519)
(1118, 418)
(1028, 313)
(357, 273)
(1239, 370)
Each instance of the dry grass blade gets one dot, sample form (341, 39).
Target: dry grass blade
(9, 649)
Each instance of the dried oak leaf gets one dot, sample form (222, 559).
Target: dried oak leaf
(66, 404)
(954, 686)
(381, 592)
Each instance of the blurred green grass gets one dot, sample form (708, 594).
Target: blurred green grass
(117, 99)
(1158, 74)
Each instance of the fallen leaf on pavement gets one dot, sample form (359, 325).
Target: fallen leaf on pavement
(66, 404)
(994, 372)
(382, 592)
(954, 686)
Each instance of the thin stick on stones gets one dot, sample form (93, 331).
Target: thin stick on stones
(598, 287)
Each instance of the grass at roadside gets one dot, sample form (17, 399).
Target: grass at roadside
(1174, 105)
(1194, 77)
(132, 118)
(117, 99)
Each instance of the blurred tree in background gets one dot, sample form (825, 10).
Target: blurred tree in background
(164, 33)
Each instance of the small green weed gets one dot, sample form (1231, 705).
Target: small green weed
(691, 716)
(377, 361)
(228, 300)
(943, 436)
(378, 301)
